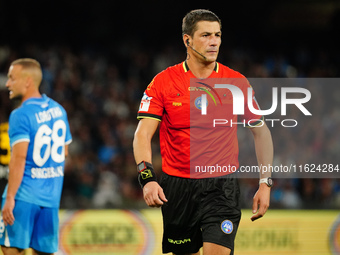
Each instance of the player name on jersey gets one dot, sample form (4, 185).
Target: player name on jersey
(48, 115)
(48, 172)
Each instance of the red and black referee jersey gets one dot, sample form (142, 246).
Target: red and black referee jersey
(189, 140)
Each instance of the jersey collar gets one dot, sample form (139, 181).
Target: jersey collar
(186, 67)
(43, 101)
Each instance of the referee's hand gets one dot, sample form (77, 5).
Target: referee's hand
(154, 195)
(261, 202)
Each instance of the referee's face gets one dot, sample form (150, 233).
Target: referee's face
(207, 39)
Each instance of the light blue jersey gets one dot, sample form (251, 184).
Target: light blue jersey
(43, 123)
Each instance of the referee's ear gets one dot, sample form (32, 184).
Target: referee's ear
(186, 40)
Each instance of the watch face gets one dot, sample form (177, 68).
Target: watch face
(141, 166)
(270, 181)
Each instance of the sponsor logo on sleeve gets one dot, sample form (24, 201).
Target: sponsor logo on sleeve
(145, 103)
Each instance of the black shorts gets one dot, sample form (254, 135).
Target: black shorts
(199, 210)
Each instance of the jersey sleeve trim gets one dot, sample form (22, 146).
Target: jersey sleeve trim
(149, 116)
(19, 140)
(68, 142)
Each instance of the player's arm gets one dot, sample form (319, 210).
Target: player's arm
(16, 173)
(264, 153)
(153, 193)
(66, 151)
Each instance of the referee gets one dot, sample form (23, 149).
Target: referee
(197, 210)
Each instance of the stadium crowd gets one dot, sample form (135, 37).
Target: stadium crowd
(101, 91)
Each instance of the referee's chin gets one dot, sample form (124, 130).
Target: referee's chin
(209, 58)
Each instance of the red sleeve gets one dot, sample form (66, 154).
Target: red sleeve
(152, 105)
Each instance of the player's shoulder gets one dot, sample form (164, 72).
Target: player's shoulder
(228, 72)
(164, 77)
(178, 68)
(54, 103)
(19, 111)
(20, 114)
(170, 71)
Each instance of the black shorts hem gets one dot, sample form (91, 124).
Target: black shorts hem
(214, 242)
(180, 252)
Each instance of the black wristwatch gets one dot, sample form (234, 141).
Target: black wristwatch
(267, 180)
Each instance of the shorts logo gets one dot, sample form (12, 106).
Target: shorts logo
(183, 241)
(227, 226)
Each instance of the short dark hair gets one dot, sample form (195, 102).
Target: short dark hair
(190, 20)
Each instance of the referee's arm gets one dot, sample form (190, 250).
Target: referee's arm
(264, 153)
(152, 192)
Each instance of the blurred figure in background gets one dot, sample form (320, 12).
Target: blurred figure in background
(39, 137)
